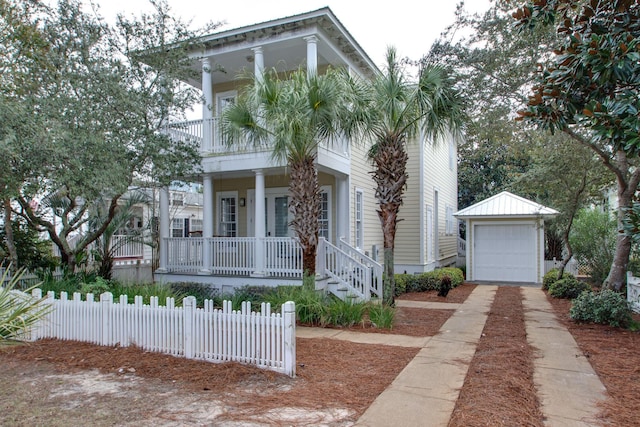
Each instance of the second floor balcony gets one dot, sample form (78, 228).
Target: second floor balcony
(207, 135)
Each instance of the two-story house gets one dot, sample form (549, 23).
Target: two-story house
(246, 238)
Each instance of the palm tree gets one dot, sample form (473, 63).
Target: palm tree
(294, 114)
(104, 248)
(390, 110)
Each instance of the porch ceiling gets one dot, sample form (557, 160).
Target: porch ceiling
(283, 47)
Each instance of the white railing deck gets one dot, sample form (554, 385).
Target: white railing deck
(208, 135)
(235, 255)
(282, 258)
(264, 339)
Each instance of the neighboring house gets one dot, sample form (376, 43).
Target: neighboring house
(232, 250)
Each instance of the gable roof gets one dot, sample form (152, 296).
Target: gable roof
(504, 205)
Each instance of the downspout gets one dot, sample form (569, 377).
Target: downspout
(422, 215)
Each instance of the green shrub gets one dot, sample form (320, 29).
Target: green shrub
(98, 287)
(381, 316)
(551, 276)
(430, 281)
(146, 291)
(200, 291)
(568, 288)
(455, 274)
(606, 307)
(593, 238)
(346, 313)
(401, 283)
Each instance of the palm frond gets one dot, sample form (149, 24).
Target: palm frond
(18, 310)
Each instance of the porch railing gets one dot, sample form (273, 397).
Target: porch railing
(235, 255)
(207, 134)
(284, 256)
(125, 247)
(232, 255)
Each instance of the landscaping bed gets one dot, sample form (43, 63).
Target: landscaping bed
(67, 383)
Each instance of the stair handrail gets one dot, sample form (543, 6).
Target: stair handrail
(377, 269)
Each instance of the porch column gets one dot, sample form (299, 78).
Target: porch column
(164, 230)
(259, 228)
(312, 55)
(207, 223)
(207, 106)
(258, 63)
(342, 208)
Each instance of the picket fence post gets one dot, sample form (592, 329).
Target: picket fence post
(35, 329)
(106, 301)
(189, 311)
(289, 335)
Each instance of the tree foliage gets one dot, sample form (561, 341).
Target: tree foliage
(494, 63)
(83, 104)
(590, 90)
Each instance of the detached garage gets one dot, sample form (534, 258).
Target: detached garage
(505, 239)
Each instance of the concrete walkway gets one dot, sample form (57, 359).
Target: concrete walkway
(425, 392)
(568, 387)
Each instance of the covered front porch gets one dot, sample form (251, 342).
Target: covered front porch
(340, 269)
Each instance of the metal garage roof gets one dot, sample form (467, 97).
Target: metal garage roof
(504, 205)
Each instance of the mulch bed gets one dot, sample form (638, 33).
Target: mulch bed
(499, 388)
(615, 356)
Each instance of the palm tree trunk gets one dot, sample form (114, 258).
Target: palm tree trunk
(390, 175)
(305, 206)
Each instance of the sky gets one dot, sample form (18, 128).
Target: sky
(397, 23)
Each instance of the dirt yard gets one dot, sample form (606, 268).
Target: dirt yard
(67, 383)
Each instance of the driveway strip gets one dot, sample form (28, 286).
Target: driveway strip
(425, 392)
(568, 387)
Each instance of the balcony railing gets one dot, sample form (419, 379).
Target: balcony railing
(208, 136)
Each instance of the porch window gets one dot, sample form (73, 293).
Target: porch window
(228, 224)
(323, 221)
(359, 226)
(178, 227)
(196, 227)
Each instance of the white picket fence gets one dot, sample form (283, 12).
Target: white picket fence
(572, 266)
(264, 339)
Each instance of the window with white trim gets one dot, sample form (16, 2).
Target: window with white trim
(450, 221)
(195, 228)
(227, 216)
(177, 227)
(359, 219)
(323, 221)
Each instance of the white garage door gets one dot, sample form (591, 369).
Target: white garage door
(505, 253)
